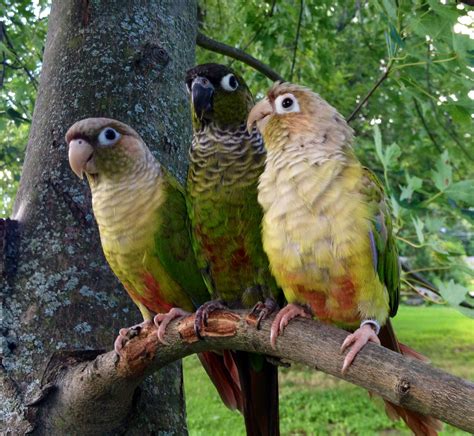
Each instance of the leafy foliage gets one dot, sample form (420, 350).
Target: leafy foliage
(22, 37)
(421, 110)
(414, 131)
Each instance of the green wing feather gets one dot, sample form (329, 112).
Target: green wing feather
(173, 243)
(388, 265)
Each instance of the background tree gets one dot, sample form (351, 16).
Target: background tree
(100, 59)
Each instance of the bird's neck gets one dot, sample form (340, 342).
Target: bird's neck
(134, 198)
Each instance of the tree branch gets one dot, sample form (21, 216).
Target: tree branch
(425, 125)
(297, 37)
(78, 389)
(369, 94)
(417, 277)
(235, 53)
(10, 46)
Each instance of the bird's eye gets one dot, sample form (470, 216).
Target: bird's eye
(108, 136)
(229, 82)
(286, 103)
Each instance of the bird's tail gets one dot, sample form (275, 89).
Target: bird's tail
(259, 383)
(223, 373)
(421, 425)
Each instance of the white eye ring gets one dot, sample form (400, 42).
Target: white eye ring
(229, 82)
(286, 103)
(108, 136)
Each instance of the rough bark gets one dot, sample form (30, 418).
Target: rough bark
(124, 60)
(104, 379)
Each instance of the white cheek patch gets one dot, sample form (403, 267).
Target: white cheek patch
(286, 103)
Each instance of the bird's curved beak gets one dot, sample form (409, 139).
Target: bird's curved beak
(81, 157)
(260, 114)
(202, 94)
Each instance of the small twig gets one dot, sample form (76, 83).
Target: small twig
(263, 23)
(260, 28)
(297, 37)
(411, 244)
(414, 274)
(235, 53)
(30, 75)
(425, 125)
(369, 94)
(434, 268)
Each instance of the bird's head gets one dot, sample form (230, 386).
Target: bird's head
(292, 111)
(102, 147)
(218, 95)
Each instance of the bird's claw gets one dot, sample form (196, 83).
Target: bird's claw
(284, 316)
(125, 334)
(357, 341)
(161, 321)
(202, 315)
(264, 310)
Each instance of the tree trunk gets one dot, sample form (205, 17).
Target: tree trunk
(123, 60)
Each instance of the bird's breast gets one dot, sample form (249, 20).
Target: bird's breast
(315, 224)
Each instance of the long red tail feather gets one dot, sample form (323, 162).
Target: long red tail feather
(223, 373)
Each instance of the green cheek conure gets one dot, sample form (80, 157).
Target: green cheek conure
(326, 228)
(225, 164)
(144, 230)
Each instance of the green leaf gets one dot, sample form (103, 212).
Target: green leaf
(443, 174)
(378, 144)
(462, 191)
(392, 154)
(419, 225)
(462, 44)
(395, 206)
(414, 184)
(388, 157)
(391, 9)
(459, 113)
(455, 294)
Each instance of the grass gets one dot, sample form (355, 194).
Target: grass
(313, 403)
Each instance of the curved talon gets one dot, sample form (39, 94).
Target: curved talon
(357, 341)
(284, 316)
(202, 315)
(127, 333)
(265, 308)
(119, 343)
(162, 320)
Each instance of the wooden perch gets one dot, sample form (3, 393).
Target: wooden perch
(96, 392)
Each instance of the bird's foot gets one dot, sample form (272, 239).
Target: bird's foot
(162, 320)
(202, 314)
(357, 340)
(284, 316)
(264, 310)
(126, 334)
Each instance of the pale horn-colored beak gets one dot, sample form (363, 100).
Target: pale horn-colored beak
(260, 114)
(80, 155)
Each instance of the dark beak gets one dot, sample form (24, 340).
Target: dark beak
(202, 93)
